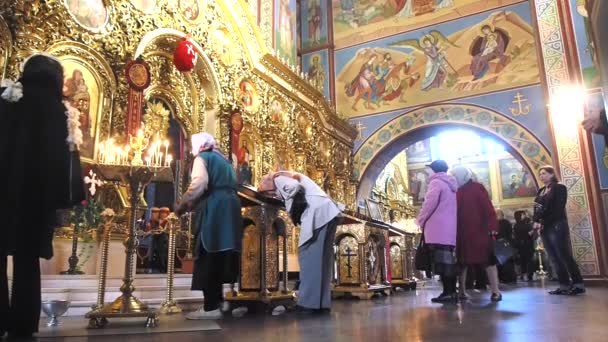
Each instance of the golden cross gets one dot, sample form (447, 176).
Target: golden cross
(521, 109)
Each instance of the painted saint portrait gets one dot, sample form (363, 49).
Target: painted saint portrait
(419, 152)
(285, 29)
(146, 6)
(92, 14)
(418, 184)
(516, 181)
(316, 72)
(80, 88)
(276, 111)
(481, 174)
(248, 95)
(189, 9)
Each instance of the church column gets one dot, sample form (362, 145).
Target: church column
(565, 112)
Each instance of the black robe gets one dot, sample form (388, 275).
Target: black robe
(35, 168)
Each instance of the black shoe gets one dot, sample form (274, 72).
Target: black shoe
(462, 297)
(445, 298)
(496, 297)
(559, 292)
(575, 291)
(323, 311)
(304, 311)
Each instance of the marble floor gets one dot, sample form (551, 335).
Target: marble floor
(527, 313)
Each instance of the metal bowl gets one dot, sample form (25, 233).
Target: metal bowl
(55, 309)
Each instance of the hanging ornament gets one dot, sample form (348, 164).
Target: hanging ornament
(185, 56)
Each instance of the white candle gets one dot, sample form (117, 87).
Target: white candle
(166, 143)
(160, 158)
(148, 161)
(169, 159)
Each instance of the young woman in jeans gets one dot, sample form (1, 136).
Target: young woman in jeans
(550, 218)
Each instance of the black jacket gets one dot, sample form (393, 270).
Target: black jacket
(550, 208)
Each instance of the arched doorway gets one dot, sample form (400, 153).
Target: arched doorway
(393, 137)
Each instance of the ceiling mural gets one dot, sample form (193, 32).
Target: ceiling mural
(361, 20)
(478, 54)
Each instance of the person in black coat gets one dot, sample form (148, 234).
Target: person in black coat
(551, 220)
(524, 242)
(506, 271)
(38, 178)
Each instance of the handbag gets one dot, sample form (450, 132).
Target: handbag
(298, 206)
(423, 259)
(503, 251)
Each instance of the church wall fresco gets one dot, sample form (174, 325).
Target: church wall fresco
(355, 21)
(585, 47)
(482, 53)
(600, 150)
(526, 106)
(314, 21)
(285, 29)
(316, 66)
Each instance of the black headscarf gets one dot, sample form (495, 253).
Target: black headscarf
(35, 168)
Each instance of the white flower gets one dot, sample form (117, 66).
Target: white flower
(13, 91)
(73, 122)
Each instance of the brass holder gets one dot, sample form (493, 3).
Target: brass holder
(73, 259)
(542, 274)
(169, 306)
(103, 272)
(127, 305)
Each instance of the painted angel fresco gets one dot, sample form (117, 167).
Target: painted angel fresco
(490, 45)
(381, 80)
(433, 46)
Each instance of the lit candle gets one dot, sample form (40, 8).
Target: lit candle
(160, 158)
(166, 143)
(148, 161)
(169, 159)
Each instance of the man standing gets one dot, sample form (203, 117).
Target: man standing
(318, 216)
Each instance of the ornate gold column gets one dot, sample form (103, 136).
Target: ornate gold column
(565, 112)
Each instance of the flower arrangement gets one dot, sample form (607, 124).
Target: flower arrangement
(73, 121)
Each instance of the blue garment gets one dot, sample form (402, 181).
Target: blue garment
(218, 213)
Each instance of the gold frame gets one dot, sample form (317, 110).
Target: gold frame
(154, 9)
(102, 72)
(101, 30)
(6, 46)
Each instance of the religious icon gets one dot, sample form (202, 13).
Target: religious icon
(315, 21)
(433, 46)
(81, 90)
(516, 181)
(91, 14)
(490, 45)
(189, 9)
(248, 95)
(146, 6)
(285, 30)
(276, 111)
(316, 73)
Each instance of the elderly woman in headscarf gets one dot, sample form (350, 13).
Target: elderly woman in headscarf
(213, 195)
(476, 224)
(318, 216)
(38, 177)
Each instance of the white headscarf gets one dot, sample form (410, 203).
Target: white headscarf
(202, 142)
(462, 174)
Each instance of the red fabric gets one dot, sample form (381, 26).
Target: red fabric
(476, 219)
(185, 56)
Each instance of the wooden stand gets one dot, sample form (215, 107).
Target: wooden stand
(260, 277)
(361, 262)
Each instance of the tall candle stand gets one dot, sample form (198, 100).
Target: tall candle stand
(73, 259)
(137, 178)
(542, 274)
(169, 306)
(107, 218)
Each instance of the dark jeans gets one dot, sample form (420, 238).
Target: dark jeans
(20, 315)
(556, 239)
(449, 284)
(526, 262)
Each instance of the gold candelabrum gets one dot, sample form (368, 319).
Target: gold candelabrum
(169, 306)
(127, 305)
(107, 217)
(138, 143)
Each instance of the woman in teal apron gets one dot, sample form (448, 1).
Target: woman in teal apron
(213, 196)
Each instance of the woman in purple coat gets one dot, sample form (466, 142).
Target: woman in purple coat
(437, 219)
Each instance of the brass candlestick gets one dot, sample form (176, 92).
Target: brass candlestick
(73, 259)
(108, 218)
(169, 306)
(541, 270)
(137, 178)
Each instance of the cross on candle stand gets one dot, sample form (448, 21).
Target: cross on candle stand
(349, 253)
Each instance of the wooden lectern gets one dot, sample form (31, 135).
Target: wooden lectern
(260, 279)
